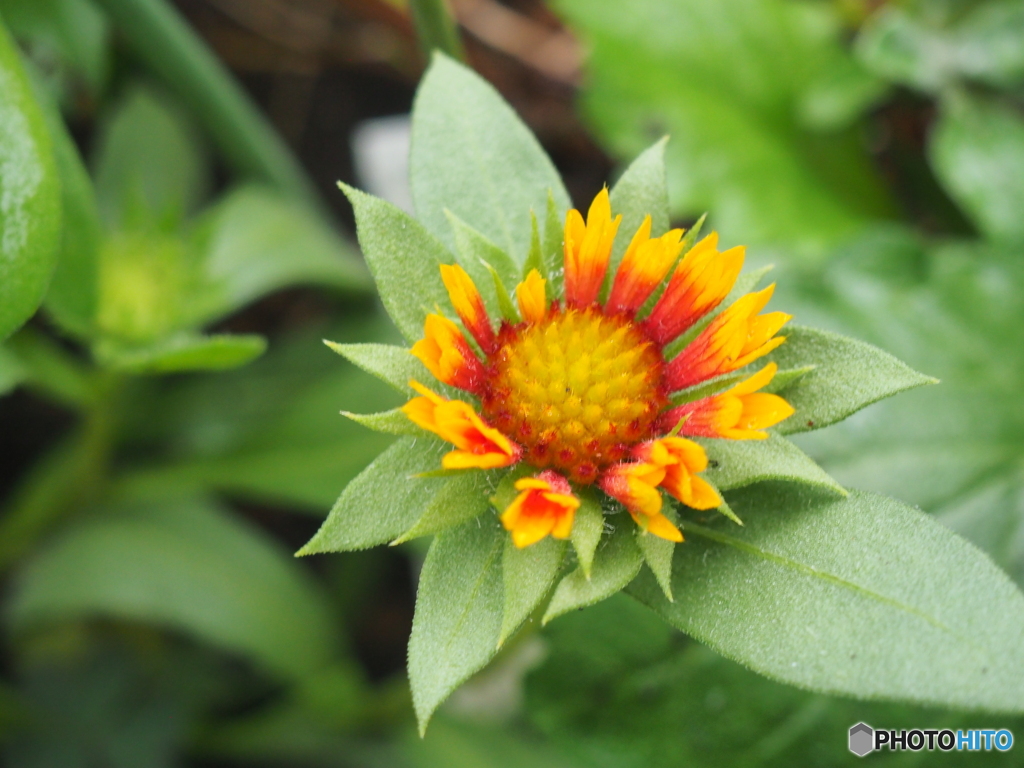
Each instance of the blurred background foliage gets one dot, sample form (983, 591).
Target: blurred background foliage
(157, 476)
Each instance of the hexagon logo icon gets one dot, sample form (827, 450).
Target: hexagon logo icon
(862, 739)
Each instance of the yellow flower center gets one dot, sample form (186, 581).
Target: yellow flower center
(577, 390)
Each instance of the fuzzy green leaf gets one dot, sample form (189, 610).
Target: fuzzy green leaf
(738, 463)
(458, 615)
(657, 554)
(862, 596)
(641, 190)
(392, 422)
(977, 152)
(473, 155)
(404, 259)
(475, 253)
(615, 565)
(529, 574)
(383, 501)
(587, 527)
(848, 375)
(30, 214)
(552, 242)
(464, 496)
(182, 352)
(392, 365)
(187, 565)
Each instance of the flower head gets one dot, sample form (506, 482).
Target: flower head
(582, 391)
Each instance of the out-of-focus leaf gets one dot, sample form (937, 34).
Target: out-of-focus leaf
(738, 463)
(150, 172)
(454, 744)
(270, 431)
(404, 259)
(985, 44)
(458, 613)
(30, 203)
(863, 596)
(954, 449)
(727, 80)
(977, 151)
(69, 36)
(471, 154)
(618, 689)
(183, 352)
(12, 372)
(384, 501)
(189, 566)
(255, 241)
(74, 291)
(37, 360)
(616, 562)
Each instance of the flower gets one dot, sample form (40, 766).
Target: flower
(545, 504)
(585, 392)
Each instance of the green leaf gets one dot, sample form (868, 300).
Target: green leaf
(657, 554)
(392, 422)
(187, 565)
(552, 243)
(463, 497)
(392, 365)
(529, 574)
(615, 565)
(70, 37)
(404, 259)
(384, 501)
(677, 703)
(256, 241)
(458, 615)
(791, 597)
(182, 352)
(954, 311)
(977, 152)
(983, 44)
(535, 258)
(44, 364)
(642, 190)
(12, 372)
(738, 463)
(150, 170)
(848, 375)
(476, 253)
(269, 432)
(727, 81)
(587, 527)
(73, 295)
(472, 154)
(30, 215)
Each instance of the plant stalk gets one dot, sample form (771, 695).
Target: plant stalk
(436, 28)
(161, 38)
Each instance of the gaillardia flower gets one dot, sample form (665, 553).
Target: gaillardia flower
(585, 387)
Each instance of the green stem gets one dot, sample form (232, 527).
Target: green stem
(69, 477)
(436, 28)
(160, 37)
